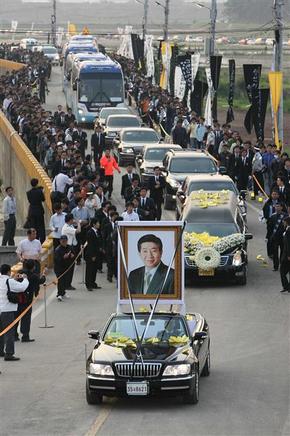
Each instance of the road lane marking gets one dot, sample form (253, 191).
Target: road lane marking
(101, 419)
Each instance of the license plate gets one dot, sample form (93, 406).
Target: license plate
(207, 273)
(140, 388)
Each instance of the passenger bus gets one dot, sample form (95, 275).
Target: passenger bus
(93, 85)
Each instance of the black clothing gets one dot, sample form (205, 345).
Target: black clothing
(98, 146)
(127, 181)
(61, 264)
(131, 193)
(156, 186)
(137, 277)
(93, 257)
(244, 170)
(275, 230)
(149, 209)
(9, 231)
(285, 262)
(36, 212)
(7, 340)
(179, 136)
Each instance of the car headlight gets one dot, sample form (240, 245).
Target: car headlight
(112, 133)
(101, 369)
(175, 370)
(174, 183)
(148, 170)
(80, 111)
(128, 150)
(237, 259)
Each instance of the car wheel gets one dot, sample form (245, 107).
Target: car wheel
(192, 395)
(242, 281)
(93, 397)
(206, 369)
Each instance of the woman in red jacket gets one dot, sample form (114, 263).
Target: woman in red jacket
(109, 164)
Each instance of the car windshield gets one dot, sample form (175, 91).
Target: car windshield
(192, 165)
(212, 185)
(155, 154)
(123, 122)
(214, 229)
(106, 112)
(49, 50)
(140, 136)
(161, 327)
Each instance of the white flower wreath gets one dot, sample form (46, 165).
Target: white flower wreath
(207, 258)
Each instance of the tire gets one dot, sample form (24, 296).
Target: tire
(242, 281)
(93, 397)
(192, 395)
(206, 369)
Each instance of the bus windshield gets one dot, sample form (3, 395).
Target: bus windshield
(101, 88)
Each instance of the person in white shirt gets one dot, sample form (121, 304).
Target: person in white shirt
(70, 231)
(129, 214)
(9, 215)
(30, 248)
(56, 223)
(8, 310)
(92, 203)
(60, 181)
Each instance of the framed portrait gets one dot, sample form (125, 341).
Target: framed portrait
(150, 260)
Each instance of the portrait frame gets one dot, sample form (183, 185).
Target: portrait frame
(170, 234)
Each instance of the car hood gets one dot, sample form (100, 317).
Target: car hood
(179, 177)
(111, 354)
(135, 144)
(151, 164)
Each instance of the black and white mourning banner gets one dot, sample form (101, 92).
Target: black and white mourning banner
(185, 65)
(260, 99)
(232, 80)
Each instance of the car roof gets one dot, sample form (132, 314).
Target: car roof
(221, 213)
(137, 129)
(188, 153)
(114, 109)
(164, 145)
(123, 116)
(208, 178)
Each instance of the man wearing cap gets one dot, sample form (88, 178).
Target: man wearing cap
(63, 258)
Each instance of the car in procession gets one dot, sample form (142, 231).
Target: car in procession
(205, 182)
(105, 112)
(215, 239)
(153, 155)
(132, 141)
(180, 164)
(172, 356)
(115, 123)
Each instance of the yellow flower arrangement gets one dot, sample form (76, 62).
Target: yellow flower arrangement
(205, 199)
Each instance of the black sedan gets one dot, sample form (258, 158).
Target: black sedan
(174, 353)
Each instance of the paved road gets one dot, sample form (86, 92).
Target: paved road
(247, 393)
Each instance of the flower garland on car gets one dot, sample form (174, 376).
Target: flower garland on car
(205, 199)
(205, 250)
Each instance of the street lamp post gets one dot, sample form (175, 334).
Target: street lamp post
(213, 17)
(53, 23)
(166, 17)
(145, 3)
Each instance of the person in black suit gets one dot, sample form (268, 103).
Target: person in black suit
(179, 134)
(60, 164)
(127, 179)
(275, 230)
(234, 164)
(132, 191)
(81, 137)
(109, 246)
(156, 186)
(147, 205)
(149, 279)
(93, 255)
(285, 257)
(284, 191)
(244, 171)
(98, 144)
(35, 217)
(69, 118)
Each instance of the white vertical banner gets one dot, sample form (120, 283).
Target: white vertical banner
(149, 56)
(195, 58)
(59, 36)
(208, 109)
(179, 83)
(14, 25)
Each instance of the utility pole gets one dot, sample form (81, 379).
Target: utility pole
(145, 18)
(53, 23)
(213, 17)
(166, 16)
(278, 47)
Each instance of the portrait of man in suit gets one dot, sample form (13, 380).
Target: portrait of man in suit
(149, 278)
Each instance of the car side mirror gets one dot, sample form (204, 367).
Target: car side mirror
(116, 142)
(248, 236)
(222, 170)
(74, 87)
(61, 63)
(161, 139)
(199, 336)
(243, 194)
(93, 334)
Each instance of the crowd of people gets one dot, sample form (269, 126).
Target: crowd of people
(83, 223)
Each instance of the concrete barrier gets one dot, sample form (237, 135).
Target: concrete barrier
(17, 167)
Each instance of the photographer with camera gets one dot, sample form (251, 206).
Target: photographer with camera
(12, 287)
(32, 291)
